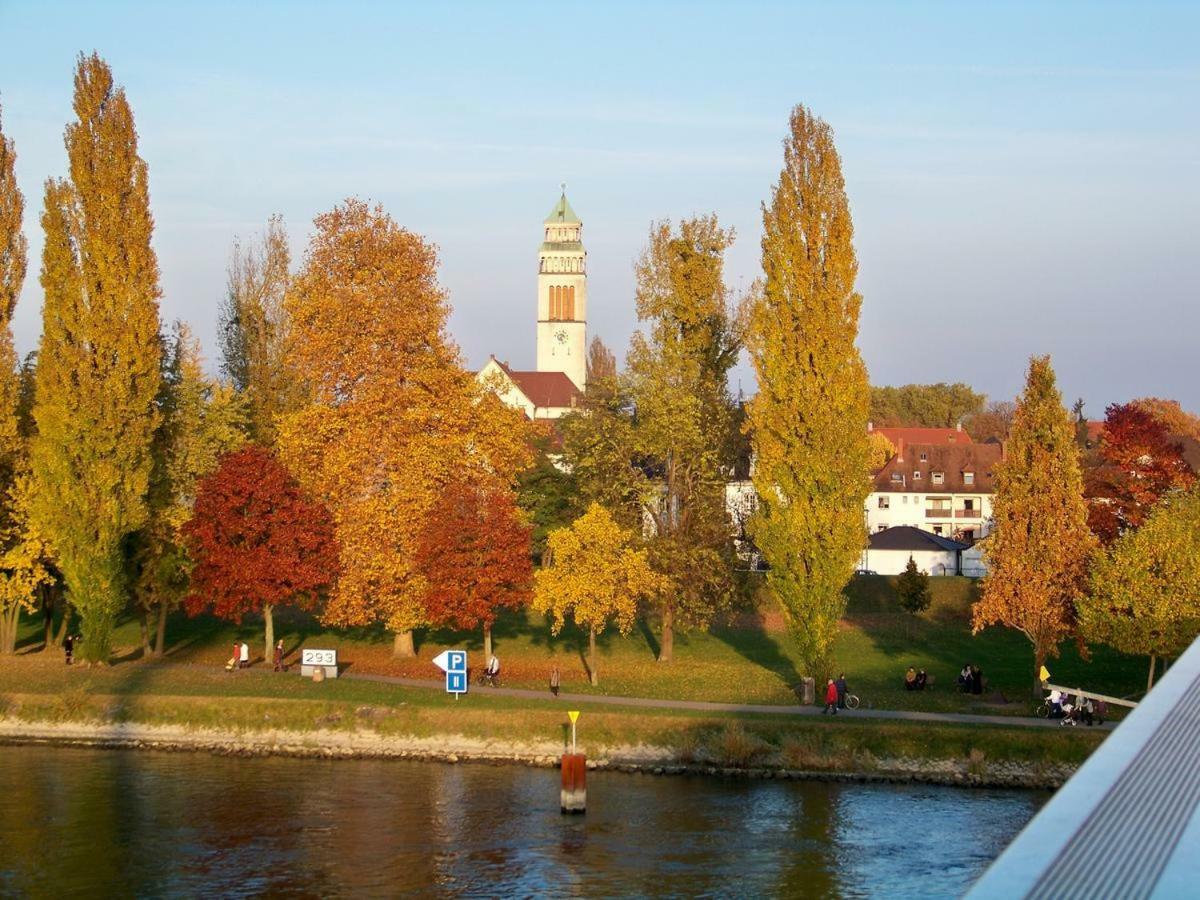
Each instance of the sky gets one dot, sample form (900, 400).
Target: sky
(1024, 178)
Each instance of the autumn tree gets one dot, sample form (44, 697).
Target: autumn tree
(678, 382)
(1136, 465)
(596, 575)
(1173, 417)
(1038, 550)
(993, 422)
(98, 374)
(808, 421)
(938, 405)
(392, 417)
(474, 554)
(880, 452)
(201, 420)
(22, 554)
(598, 450)
(601, 363)
(253, 329)
(258, 542)
(1145, 589)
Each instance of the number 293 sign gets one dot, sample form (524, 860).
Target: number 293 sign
(310, 657)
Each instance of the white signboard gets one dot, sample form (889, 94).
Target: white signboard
(312, 658)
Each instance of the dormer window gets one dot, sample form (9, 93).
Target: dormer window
(924, 456)
(938, 477)
(968, 477)
(916, 474)
(898, 477)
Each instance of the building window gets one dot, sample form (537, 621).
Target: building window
(938, 477)
(924, 456)
(937, 529)
(916, 475)
(885, 502)
(904, 498)
(968, 477)
(569, 313)
(969, 506)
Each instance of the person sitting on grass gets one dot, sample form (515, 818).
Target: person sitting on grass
(964, 679)
(922, 678)
(831, 698)
(910, 679)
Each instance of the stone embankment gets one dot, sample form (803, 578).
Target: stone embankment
(330, 744)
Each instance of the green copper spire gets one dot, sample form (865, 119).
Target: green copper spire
(562, 214)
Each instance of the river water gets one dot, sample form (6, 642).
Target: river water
(124, 823)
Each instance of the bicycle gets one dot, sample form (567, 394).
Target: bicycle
(487, 679)
(852, 701)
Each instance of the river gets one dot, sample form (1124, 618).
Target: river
(103, 823)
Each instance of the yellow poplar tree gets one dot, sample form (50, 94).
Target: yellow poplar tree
(808, 421)
(1145, 590)
(1037, 553)
(98, 363)
(392, 416)
(595, 575)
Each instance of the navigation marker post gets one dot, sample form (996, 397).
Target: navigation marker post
(574, 774)
(454, 664)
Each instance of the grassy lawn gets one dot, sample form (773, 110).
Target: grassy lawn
(751, 659)
(41, 688)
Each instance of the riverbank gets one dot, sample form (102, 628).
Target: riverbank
(975, 770)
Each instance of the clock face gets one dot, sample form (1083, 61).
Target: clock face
(561, 336)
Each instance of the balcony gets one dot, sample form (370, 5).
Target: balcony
(939, 513)
(968, 514)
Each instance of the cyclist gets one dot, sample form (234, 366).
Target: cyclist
(493, 670)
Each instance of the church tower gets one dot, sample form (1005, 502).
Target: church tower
(562, 295)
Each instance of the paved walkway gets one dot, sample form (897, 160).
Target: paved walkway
(708, 706)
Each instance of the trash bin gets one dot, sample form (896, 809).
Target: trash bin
(808, 688)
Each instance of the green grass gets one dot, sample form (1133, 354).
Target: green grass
(200, 697)
(752, 659)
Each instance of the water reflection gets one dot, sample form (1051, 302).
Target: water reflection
(75, 821)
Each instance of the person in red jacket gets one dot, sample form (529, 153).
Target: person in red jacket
(831, 698)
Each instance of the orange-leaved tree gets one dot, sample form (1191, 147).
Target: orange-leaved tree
(474, 552)
(258, 542)
(392, 417)
(1037, 554)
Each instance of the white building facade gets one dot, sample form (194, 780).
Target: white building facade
(562, 295)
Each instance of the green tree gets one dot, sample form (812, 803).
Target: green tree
(201, 421)
(678, 382)
(938, 405)
(98, 374)
(912, 589)
(545, 493)
(1038, 551)
(809, 419)
(1145, 590)
(253, 330)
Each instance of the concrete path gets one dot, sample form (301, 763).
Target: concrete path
(708, 706)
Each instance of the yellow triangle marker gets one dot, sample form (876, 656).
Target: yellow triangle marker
(573, 715)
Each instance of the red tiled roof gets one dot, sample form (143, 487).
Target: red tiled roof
(545, 389)
(951, 461)
(924, 435)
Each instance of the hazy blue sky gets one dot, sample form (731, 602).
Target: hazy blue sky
(1024, 178)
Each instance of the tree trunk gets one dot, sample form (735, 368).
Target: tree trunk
(1039, 660)
(593, 675)
(8, 630)
(487, 642)
(1150, 680)
(666, 647)
(402, 645)
(47, 596)
(269, 633)
(145, 622)
(63, 626)
(160, 637)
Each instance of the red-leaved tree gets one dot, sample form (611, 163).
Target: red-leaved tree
(1136, 465)
(475, 555)
(258, 542)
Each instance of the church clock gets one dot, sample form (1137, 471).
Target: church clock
(561, 335)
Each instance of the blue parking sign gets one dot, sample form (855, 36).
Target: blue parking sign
(456, 682)
(456, 661)
(454, 664)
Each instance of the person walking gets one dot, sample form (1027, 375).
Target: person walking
(831, 698)
(279, 655)
(841, 690)
(244, 656)
(555, 679)
(69, 648)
